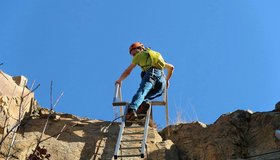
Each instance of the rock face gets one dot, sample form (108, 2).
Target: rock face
(78, 138)
(14, 93)
(239, 135)
(65, 137)
(12, 86)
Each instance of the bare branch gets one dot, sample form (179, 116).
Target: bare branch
(51, 97)
(55, 135)
(58, 99)
(58, 133)
(33, 84)
(19, 121)
(27, 95)
(61, 130)
(6, 120)
(9, 131)
(47, 121)
(32, 90)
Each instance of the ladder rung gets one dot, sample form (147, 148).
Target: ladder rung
(135, 121)
(159, 103)
(130, 155)
(130, 148)
(132, 133)
(132, 140)
(136, 126)
(120, 103)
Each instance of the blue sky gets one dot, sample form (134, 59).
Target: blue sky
(225, 53)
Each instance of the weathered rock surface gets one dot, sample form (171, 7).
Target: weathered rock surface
(78, 138)
(238, 135)
(13, 86)
(14, 95)
(66, 137)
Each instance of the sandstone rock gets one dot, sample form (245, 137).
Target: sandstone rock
(237, 135)
(69, 137)
(12, 100)
(65, 115)
(4, 101)
(163, 150)
(9, 88)
(20, 80)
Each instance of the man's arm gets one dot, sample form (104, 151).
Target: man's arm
(125, 73)
(170, 69)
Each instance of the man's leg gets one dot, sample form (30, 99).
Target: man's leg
(157, 90)
(141, 93)
(137, 99)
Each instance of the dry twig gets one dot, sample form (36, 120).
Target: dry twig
(19, 121)
(14, 129)
(47, 121)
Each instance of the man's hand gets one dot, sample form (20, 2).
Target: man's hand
(118, 82)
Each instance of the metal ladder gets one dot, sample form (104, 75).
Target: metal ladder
(132, 139)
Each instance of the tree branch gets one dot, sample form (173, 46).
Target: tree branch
(18, 121)
(47, 121)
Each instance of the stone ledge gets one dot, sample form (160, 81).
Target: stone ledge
(20, 80)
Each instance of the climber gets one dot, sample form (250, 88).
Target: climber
(153, 79)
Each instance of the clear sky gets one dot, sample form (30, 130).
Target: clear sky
(225, 52)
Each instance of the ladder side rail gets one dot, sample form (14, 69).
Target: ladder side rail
(116, 93)
(167, 115)
(146, 128)
(165, 99)
(166, 107)
(120, 96)
(164, 103)
(117, 148)
(115, 98)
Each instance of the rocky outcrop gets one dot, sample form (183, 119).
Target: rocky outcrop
(13, 86)
(238, 135)
(65, 137)
(78, 138)
(15, 97)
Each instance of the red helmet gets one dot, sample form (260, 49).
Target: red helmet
(136, 45)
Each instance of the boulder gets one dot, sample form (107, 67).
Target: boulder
(237, 135)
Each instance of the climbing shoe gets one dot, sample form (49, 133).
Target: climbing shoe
(142, 110)
(131, 115)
